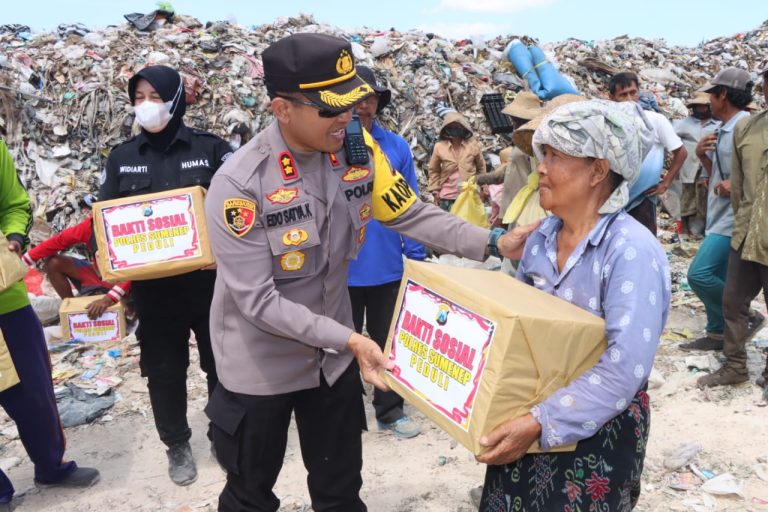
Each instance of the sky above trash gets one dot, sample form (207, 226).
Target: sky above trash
(684, 23)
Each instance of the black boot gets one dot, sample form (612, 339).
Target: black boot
(181, 464)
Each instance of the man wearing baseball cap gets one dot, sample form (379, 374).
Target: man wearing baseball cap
(748, 251)
(729, 92)
(286, 214)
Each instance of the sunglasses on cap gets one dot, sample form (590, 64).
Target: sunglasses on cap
(320, 111)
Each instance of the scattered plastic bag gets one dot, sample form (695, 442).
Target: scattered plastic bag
(469, 206)
(76, 407)
(723, 485)
(46, 308)
(151, 21)
(682, 455)
(705, 363)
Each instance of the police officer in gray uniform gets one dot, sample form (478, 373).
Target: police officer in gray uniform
(286, 213)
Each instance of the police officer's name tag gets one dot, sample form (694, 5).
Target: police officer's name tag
(154, 235)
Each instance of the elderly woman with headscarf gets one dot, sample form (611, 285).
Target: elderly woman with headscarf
(594, 255)
(456, 158)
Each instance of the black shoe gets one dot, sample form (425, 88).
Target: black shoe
(705, 343)
(80, 478)
(181, 464)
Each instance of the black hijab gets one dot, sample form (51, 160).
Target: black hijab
(166, 81)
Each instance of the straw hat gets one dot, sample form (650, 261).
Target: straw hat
(523, 136)
(700, 98)
(526, 105)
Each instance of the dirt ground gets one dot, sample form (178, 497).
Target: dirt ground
(429, 473)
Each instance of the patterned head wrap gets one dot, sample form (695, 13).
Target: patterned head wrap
(616, 132)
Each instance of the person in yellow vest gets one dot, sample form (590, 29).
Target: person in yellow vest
(30, 403)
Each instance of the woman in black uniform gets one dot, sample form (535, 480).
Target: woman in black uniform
(167, 155)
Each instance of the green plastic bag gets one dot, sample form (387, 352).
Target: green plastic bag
(469, 206)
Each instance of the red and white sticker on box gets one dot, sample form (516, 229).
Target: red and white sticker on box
(440, 349)
(104, 328)
(148, 232)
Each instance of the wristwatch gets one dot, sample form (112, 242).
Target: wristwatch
(493, 250)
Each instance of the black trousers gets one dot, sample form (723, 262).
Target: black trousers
(167, 310)
(376, 304)
(250, 435)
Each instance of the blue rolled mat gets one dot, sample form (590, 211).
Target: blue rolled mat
(552, 82)
(520, 57)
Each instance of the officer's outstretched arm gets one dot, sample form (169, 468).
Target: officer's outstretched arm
(396, 205)
(244, 260)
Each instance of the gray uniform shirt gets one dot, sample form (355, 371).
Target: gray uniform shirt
(281, 313)
(719, 210)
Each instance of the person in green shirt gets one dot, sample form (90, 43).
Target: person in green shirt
(30, 403)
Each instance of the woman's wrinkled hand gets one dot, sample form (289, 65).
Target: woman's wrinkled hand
(509, 441)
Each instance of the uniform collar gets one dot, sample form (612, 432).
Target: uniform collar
(183, 134)
(552, 225)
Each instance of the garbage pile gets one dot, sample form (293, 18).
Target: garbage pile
(63, 100)
(672, 74)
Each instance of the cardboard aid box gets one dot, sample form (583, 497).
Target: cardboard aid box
(75, 324)
(474, 348)
(152, 235)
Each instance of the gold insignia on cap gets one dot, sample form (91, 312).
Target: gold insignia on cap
(344, 63)
(344, 100)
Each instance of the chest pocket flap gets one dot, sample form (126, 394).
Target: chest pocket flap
(293, 239)
(130, 184)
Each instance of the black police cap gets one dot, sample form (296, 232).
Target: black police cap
(319, 66)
